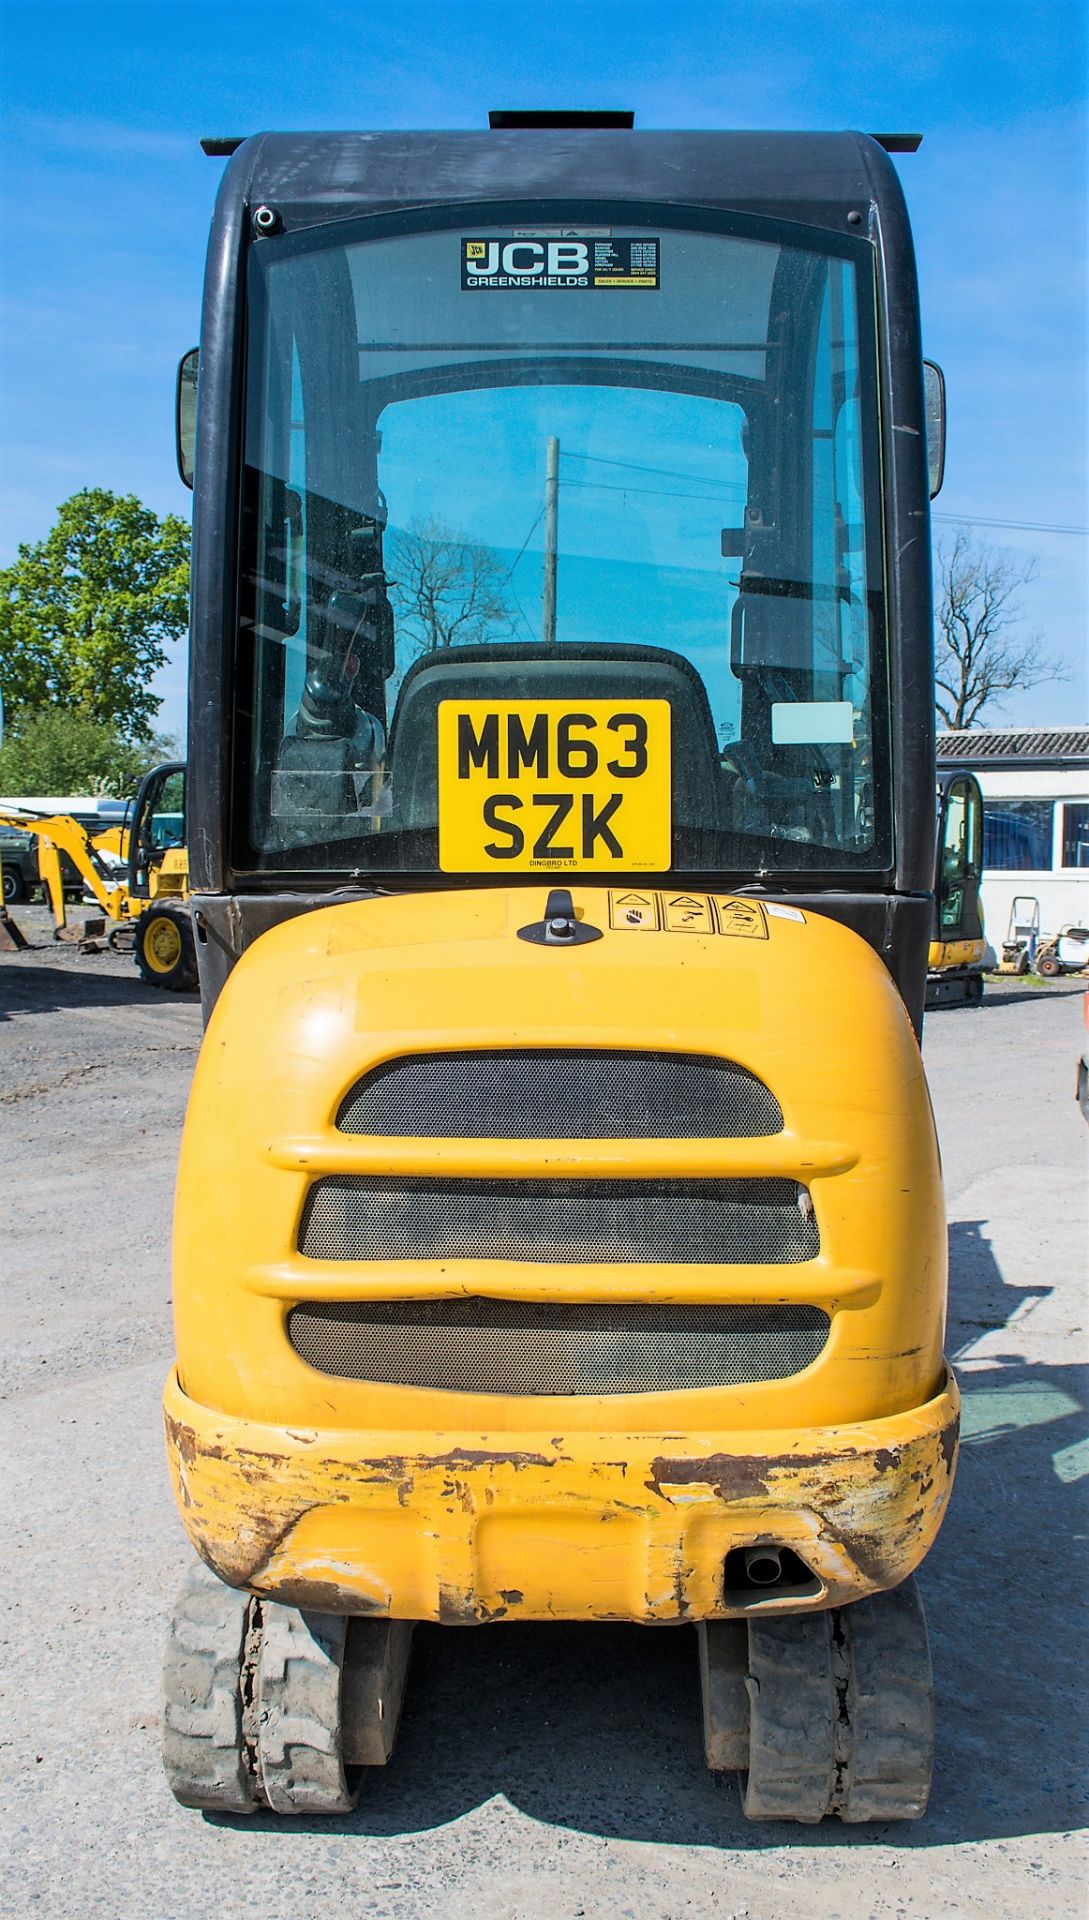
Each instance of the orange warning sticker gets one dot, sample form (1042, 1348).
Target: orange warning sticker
(646, 912)
(741, 919)
(634, 909)
(687, 913)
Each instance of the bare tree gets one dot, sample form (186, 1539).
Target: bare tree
(980, 654)
(448, 591)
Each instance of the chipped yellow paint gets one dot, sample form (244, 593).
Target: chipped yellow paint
(588, 1526)
(457, 1505)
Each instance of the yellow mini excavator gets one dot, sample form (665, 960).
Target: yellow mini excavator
(138, 873)
(559, 1227)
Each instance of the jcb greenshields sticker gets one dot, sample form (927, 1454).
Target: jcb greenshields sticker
(538, 262)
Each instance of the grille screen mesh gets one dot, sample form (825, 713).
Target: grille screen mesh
(555, 1094)
(363, 1217)
(523, 1347)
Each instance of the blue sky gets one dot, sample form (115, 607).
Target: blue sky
(106, 200)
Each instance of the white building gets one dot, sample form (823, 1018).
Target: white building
(1035, 785)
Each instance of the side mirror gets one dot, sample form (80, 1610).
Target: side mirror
(935, 424)
(185, 415)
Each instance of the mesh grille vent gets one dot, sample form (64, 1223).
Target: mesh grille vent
(556, 1094)
(363, 1217)
(516, 1347)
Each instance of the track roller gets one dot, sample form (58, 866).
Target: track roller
(268, 1706)
(824, 1713)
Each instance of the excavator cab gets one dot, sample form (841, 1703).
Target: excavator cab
(559, 1229)
(156, 830)
(956, 958)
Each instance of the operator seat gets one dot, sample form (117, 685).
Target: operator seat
(522, 671)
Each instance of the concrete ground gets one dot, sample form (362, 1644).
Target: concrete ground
(543, 1772)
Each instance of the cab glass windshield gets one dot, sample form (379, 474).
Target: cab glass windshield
(562, 552)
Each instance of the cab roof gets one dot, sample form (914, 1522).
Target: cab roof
(817, 179)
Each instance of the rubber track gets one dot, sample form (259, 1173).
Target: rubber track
(841, 1712)
(792, 1710)
(204, 1752)
(890, 1706)
(299, 1725)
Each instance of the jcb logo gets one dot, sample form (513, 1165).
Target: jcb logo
(527, 262)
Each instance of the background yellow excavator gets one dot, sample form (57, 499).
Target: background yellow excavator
(955, 961)
(138, 872)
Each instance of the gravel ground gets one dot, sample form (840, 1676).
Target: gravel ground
(542, 1772)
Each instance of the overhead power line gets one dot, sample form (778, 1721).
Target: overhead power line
(1017, 526)
(675, 473)
(659, 493)
(508, 577)
(538, 517)
(637, 466)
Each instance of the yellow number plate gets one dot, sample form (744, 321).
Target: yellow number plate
(542, 786)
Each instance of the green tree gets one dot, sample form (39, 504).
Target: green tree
(55, 751)
(86, 614)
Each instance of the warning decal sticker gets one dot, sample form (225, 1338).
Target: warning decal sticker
(688, 913)
(635, 911)
(533, 262)
(741, 919)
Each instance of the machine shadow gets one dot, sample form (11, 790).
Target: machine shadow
(1014, 993)
(26, 988)
(597, 1728)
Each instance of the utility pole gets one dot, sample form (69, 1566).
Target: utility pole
(551, 528)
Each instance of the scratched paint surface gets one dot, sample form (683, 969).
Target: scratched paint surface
(481, 1528)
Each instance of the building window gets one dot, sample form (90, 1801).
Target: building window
(1017, 835)
(1076, 834)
